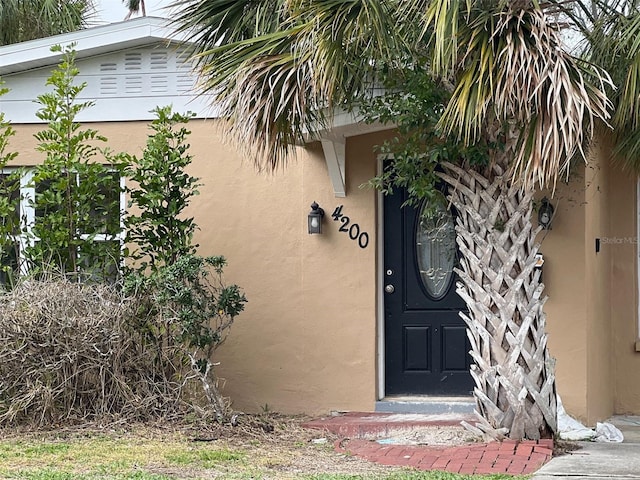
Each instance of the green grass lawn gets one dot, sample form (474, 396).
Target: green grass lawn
(152, 455)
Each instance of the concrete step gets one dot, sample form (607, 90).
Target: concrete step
(375, 424)
(428, 405)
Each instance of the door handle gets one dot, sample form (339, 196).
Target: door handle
(389, 288)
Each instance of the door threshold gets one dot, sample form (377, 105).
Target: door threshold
(429, 405)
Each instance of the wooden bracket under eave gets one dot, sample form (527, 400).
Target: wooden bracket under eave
(334, 156)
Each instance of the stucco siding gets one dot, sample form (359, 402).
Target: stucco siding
(624, 290)
(307, 340)
(564, 278)
(600, 393)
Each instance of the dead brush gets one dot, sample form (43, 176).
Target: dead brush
(69, 354)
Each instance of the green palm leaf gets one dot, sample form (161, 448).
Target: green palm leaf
(22, 20)
(511, 71)
(277, 69)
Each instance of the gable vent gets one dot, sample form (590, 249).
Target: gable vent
(133, 84)
(146, 73)
(158, 61)
(133, 61)
(159, 84)
(184, 82)
(182, 60)
(184, 75)
(108, 67)
(108, 85)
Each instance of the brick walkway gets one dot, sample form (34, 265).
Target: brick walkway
(511, 457)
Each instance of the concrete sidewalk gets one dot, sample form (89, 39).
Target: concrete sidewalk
(599, 461)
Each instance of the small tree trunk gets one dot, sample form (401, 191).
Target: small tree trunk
(513, 372)
(210, 388)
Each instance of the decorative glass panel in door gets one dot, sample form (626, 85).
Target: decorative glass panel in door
(436, 249)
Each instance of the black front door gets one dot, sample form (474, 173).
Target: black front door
(426, 346)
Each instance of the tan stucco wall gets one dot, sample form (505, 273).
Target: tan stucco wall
(600, 392)
(564, 274)
(592, 310)
(307, 339)
(624, 290)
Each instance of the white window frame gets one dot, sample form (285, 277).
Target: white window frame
(28, 215)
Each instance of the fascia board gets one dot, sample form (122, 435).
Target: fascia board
(91, 41)
(343, 124)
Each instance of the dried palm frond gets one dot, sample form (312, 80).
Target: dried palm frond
(277, 71)
(511, 67)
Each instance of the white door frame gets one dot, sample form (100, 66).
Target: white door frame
(380, 288)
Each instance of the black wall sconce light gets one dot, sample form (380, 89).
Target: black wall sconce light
(315, 218)
(545, 213)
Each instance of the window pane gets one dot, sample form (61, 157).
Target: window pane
(104, 213)
(9, 204)
(85, 244)
(49, 196)
(436, 249)
(9, 227)
(97, 201)
(9, 267)
(99, 261)
(49, 256)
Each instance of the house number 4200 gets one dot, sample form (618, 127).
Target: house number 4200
(353, 229)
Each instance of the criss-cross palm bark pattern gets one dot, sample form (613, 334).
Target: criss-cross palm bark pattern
(513, 373)
(535, 105)
(278, 69)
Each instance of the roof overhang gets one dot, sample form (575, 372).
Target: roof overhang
(89, 42)
(333, 140)
(143, 31)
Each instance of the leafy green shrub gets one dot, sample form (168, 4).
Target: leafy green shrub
(186, 311)
(91, 349)
(161, 191)
(184, 306)
(9, 211)
(77, 186)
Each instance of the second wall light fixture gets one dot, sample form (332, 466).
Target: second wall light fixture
(545, 213)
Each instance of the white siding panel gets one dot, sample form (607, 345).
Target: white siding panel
(124, 85)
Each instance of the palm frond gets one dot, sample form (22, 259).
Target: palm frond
(273, 100)
(277, 69)
(443, 17)
(22, 20)
(514, 71)
(538, 79)
(266, 92)
(612, 42)
(214, 23)
(135, 6)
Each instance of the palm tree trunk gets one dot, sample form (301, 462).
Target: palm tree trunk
(513, 372)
